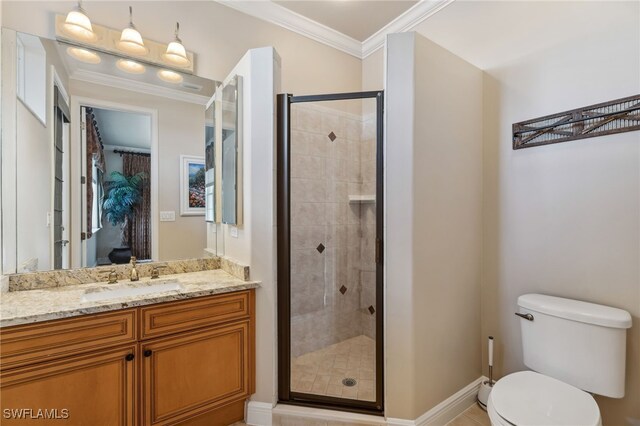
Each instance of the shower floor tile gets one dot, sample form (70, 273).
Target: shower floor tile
(322, 372)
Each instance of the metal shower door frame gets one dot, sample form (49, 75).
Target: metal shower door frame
(283, 203)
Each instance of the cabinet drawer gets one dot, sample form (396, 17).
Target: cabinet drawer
(33, 343)
(160, 320)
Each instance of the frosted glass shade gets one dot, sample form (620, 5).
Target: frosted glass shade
(78, 26)
(170, 76)
(132, 67)
(84, 55)
(131, 42)
(176, 54)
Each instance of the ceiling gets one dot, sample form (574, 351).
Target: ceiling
(356, 27)
(492, 33)
(357, 19)
(124, 129)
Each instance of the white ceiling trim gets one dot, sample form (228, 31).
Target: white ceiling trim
(137, 86)
(403, 23)
(283, 17)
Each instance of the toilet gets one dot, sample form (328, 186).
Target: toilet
(575, 349)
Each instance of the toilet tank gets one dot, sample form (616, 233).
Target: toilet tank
(579, 343)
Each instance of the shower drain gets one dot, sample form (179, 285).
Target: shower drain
(349, 382)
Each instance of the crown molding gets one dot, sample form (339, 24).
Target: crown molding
(137, 86)
(403, 23)
(290, 20)
(272, 12)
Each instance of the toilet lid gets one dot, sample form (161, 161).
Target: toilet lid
(529, 398)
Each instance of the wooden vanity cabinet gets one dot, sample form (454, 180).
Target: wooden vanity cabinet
(188, 362)
(98, 388)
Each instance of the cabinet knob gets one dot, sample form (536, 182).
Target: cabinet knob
(129, 357)
(147, 353)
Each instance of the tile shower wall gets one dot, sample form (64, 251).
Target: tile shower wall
(368, 226)
(332, 240)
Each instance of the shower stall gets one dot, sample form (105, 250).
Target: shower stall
(330, 229)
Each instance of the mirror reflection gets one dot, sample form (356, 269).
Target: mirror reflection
(91, 152)
(231, 152)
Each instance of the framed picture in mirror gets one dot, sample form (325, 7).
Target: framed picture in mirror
(192, 185)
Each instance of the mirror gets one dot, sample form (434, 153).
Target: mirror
(231, 153)
(210, 161)
(92, 145)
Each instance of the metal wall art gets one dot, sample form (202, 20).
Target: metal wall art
(617, 116)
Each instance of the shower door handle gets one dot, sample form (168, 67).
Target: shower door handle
(378, 250)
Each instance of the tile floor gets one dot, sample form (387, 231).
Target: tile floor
(473, 416)
(321, 372)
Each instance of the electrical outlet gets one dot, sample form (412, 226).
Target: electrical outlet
(168, 216)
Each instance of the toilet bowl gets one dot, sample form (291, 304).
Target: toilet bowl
(527, 398)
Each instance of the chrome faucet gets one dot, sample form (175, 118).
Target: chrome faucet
(134, 271)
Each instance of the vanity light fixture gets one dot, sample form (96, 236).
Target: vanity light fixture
(78, 25)
(84, 55)
(131, 40)
(132, 67)
(176, 54)
(170, 76)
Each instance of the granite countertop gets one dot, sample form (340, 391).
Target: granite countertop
(29, 306)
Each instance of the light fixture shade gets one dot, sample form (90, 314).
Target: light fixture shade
(131, 42)
(176, 54)
(170, 76)
(132, 67)
(84, 55)
(78, 25)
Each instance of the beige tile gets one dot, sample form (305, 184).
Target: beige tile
(334, 390)
(350, 392)
(478, 414)
(366, 384)
(366, 395)
(340, 364)
(322, 378)
(304, 386)
(365, 374)
(463, 420)
(336, 379)
(319, 388)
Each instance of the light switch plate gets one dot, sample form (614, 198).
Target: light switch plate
(168, 216)
(233, 231)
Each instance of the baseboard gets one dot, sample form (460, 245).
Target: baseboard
(259, 413)
(447, 410)
(329, 415)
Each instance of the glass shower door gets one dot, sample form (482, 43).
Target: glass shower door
(329, 249)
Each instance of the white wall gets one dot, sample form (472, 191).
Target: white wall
(256, 241)
(564, 219)
(433, 185)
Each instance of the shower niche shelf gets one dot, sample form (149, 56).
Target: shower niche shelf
(353, 199)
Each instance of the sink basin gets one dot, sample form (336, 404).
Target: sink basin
(128, 290)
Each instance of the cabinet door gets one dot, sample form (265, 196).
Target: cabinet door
(92, 389)
(190, 374)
